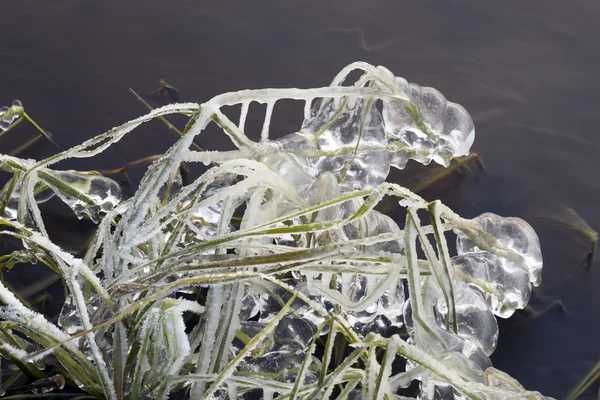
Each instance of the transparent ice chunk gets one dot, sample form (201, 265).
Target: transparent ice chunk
(504, 283)
(427, 126)
(352, 142)
(385, 313)
(69, 319)
(9, 204)
(475, 321)
(87, 194)
(373, 224)
(293, 169)
(206, 214)
(454, 352)
(514, 234)
(435, 389)
(283, 351)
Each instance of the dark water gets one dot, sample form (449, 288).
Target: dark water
(526, 71)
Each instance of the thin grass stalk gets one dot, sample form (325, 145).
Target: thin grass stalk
(327, 352)
(444, 255)
(442, 275)
(421, 320)
(163, 119)
(11, 127)
(585, 383)
(325, 388)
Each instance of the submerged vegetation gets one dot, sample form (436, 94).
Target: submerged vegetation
(272, 275)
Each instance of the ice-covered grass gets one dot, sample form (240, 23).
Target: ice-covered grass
(226, 286)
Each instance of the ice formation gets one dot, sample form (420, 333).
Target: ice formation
(430, 127)
(9, 115)
(284, 242)
(512, 233)
(89, 194)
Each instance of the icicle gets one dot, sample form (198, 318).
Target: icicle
(347, 282)
(232, 390)
(243, 115)
(264, 136)
(268, 394)
(309, 280)
(307, 106)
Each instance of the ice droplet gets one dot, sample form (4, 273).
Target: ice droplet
(9, 115)
(46, 385)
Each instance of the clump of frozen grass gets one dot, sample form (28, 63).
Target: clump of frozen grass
(224, 287)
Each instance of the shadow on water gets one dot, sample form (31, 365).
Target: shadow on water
(527, 72)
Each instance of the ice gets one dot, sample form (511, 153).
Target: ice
(292, 169)
(9, 115)
(376, 305)
(206, 213)
(361, 291)
(501, 380)
(454, 353)
(325, 189)
(504, 283)
(45, 385)
(69, 319)
(10, 203)
(353, 141)
(512, 233)
(384, 314)
(427, 127)
(88, 194)
(85, 193)
(476, 323)
(284, 350)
